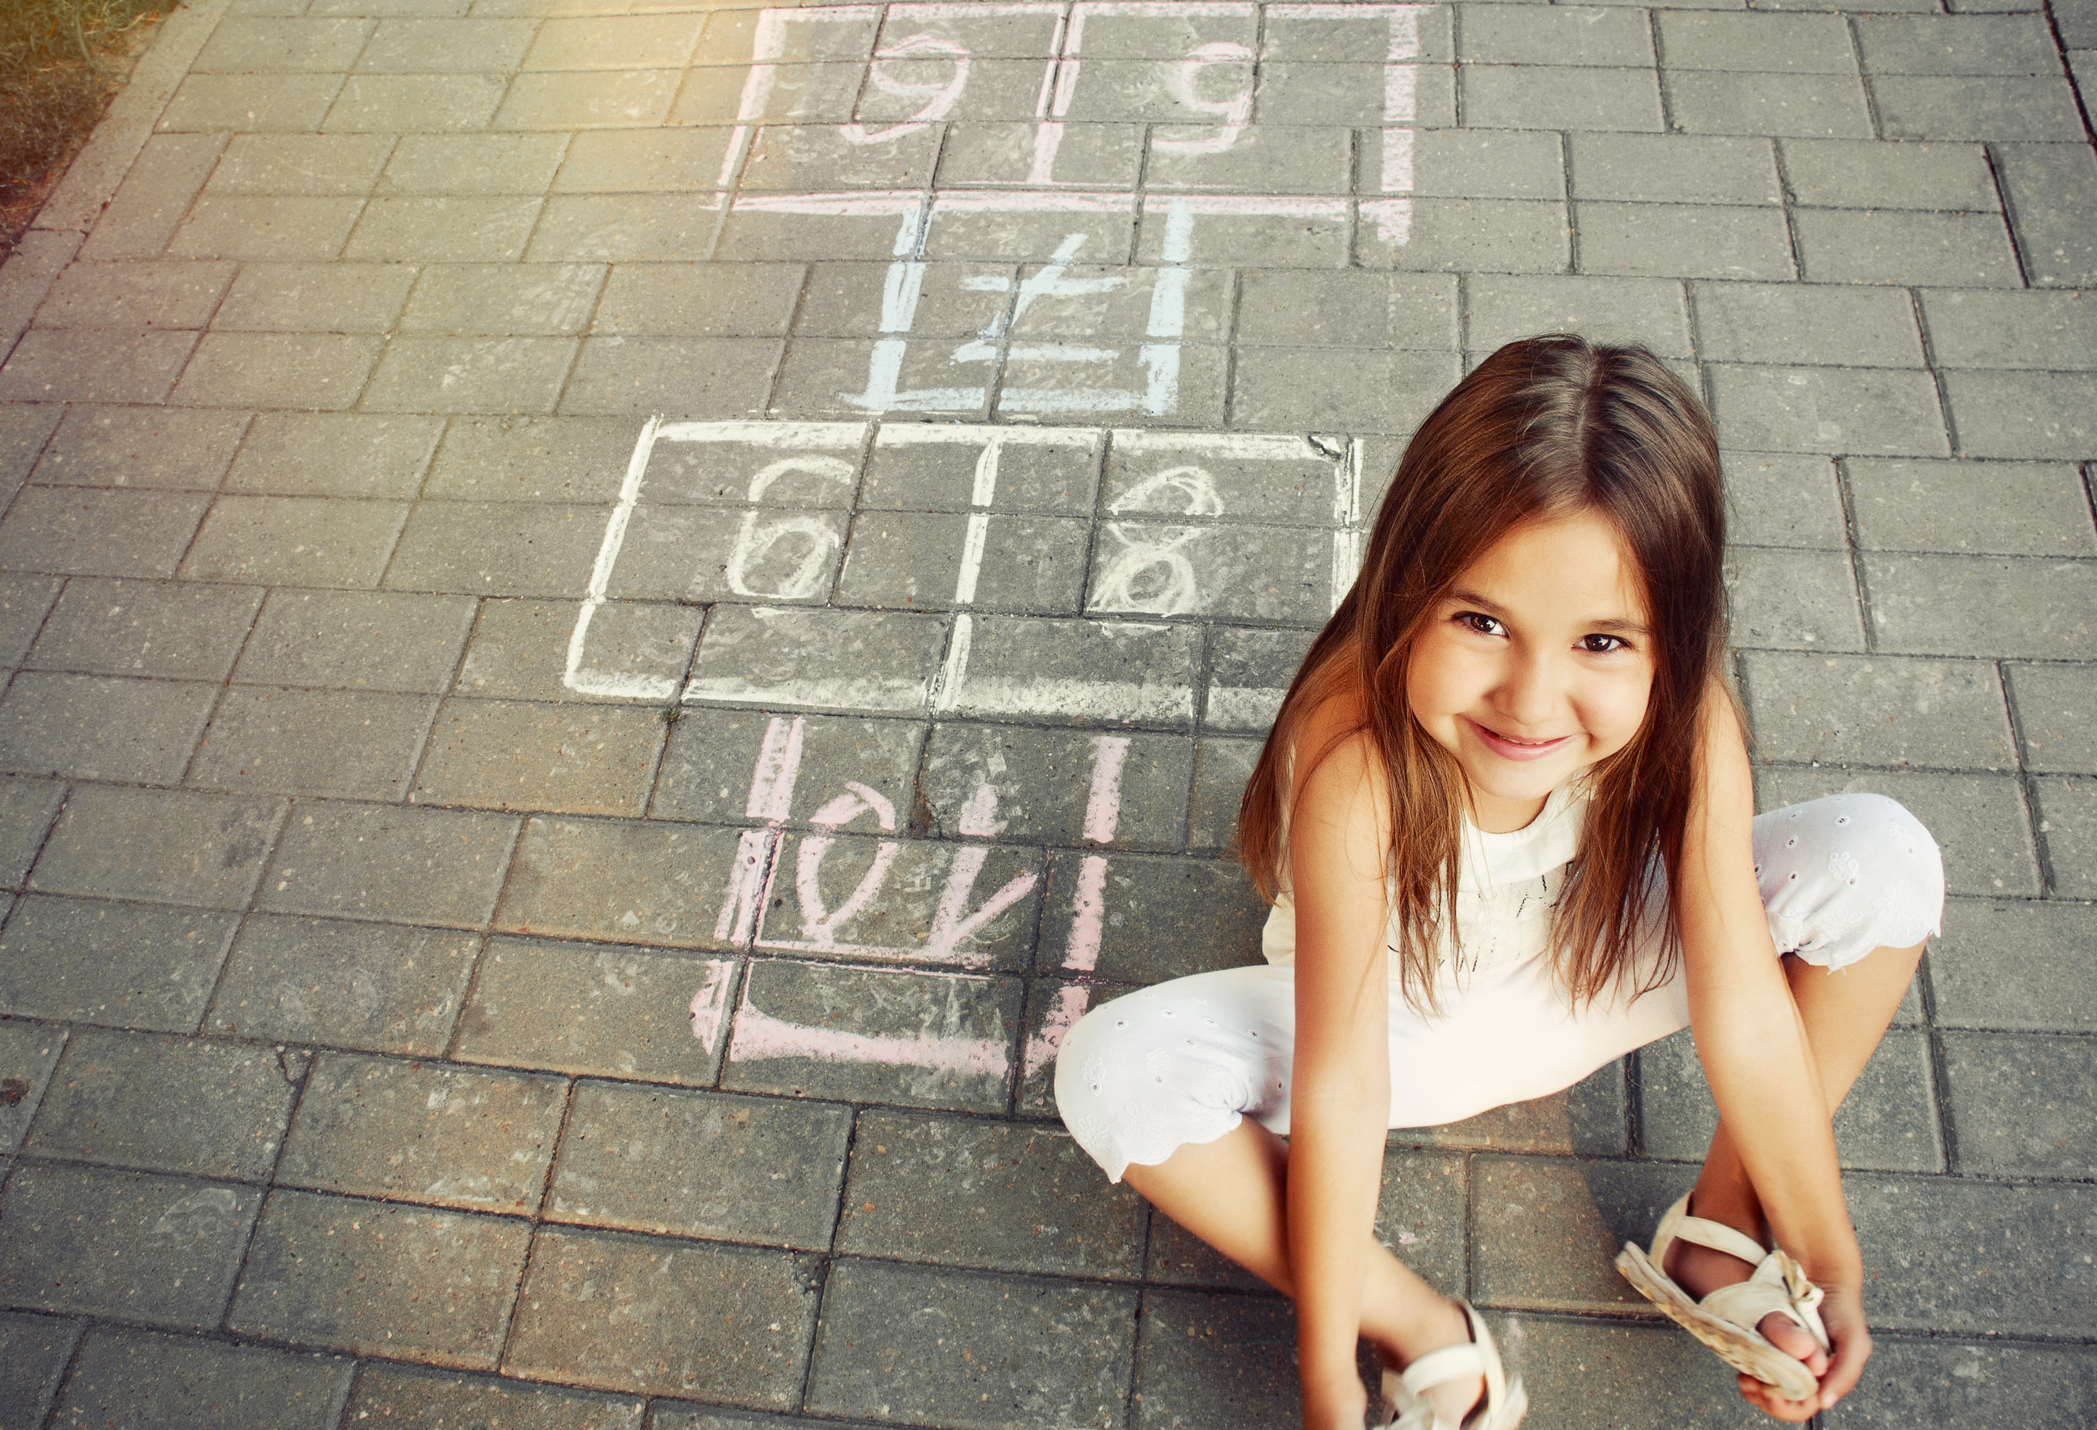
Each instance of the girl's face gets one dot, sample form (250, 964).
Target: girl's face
(1536, 665)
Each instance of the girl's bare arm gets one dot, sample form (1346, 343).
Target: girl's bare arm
(1749, 1036)
(1340, 1097)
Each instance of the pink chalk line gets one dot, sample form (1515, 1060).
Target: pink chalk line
(710, 1003)
(758, 1035)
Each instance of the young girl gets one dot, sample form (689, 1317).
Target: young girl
(1506, 817)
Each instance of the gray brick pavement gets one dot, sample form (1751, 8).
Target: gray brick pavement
(402, 1017)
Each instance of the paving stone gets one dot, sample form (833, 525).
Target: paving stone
(344, 984)
(587, 101)
(341, 164)
(661, 1316)
(909, 1039)
(166, 1104)
(407, 44)
(24, 602)
(1978, 820)
(911, 470)
(1674, 168)
(170, 1380)
(1159, 918)
(1221, 769)
(824, 92)
(532, 458)
(2051, 701)
(294, 541)
(1014, 659)
(247, 45)
(299, 297)
(623, 42)
(2017, 1103)
(1550, 97)
(94, 365)
(1812, 106)
(2050, 189)
(472, 163)
(1512, 36)
(168, 294)
(1858, 173)
(2012, 508)
(1683, 240)
(2067, 813)
(416, 1132)
(1963, 605)
(99, 533)
(505, 754)
(367, 640)
(2004, 330)
(1793, 322)
(1655, 1374)
(414, 103)
(588, 1009)
(1265, 158)
(1853, 411)
(1771, 44)
(669, 299)
(1783, 499)
(1955, 1255)
(267, 228)
(1465, 235)
(498, 548)
(25, 428)
(2078, 24)
(141, 447)
(128, 965)
(335, 454)
(145, 628)
(1898, 246)
(423, 866)
(879, 661)
(366, 1277)
(1000, 1197)
(1051, 800)
(1888, 1122)
(1879, 710)
(1797, 600)
(99, 1241)
(1907, 44)
(511, 374)
(1587, 1119)
(1320, 387)
(625, 227)
(94, 727)
(34, 1354)
(1345, 308)
(443, 229)
(1950, 1382)
(759, 236)
(156, 193)
(520, 650)
(1501, 309)
(716, 757)
(1545, 1231)
(1053, 1007)
(28, 1052)
(2008, 414)
(498, 299)
(323, 371)
(907, 901)
(1215, 1359)
(196, 849)
(1034, 1348)
(1966, 107)
(1108, 155)
(690, 555)
(409, 1396)
(248, 103)
(603, 879)
(689, 377)
(702, 1165)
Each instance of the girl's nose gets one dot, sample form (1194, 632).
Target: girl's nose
(1531, 693)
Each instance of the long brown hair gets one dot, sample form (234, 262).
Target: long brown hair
(1543, 428)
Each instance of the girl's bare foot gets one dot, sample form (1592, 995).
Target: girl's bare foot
(1438, 1327)
(1699, 1270)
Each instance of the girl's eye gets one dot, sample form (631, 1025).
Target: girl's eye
(1483, 624)
(1602, 645)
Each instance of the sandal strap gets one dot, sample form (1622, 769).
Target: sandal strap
(1699, 1231)
(1437, 1367)
(1779, 1286)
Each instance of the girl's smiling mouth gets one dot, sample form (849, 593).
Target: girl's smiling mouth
(1512, 749)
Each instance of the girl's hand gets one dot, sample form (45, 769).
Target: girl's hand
(1843, 1314)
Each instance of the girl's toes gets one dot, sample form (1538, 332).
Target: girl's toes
(1794, 1340)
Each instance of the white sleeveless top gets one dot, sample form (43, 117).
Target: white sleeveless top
(1506, 890)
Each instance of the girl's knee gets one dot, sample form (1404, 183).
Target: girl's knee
(1843, 875)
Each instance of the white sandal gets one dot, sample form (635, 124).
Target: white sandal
(1501, 1408)
(1726, 1319)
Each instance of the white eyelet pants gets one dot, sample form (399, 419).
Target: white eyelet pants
(1182, 1062)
